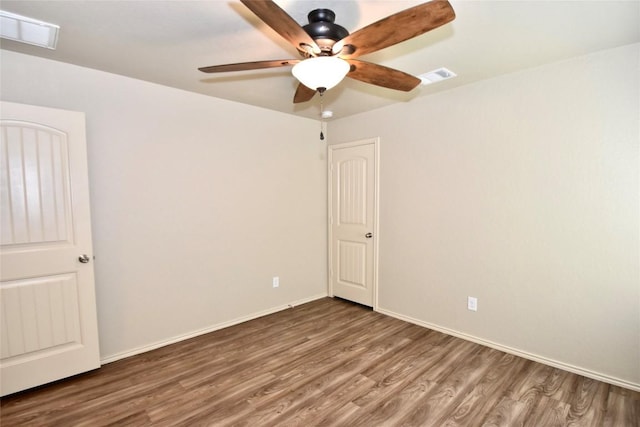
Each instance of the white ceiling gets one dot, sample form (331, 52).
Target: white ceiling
(166, 41)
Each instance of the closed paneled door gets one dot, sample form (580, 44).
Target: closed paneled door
(48, 325)
(352, 221)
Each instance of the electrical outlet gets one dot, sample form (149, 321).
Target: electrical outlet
(472, 303)
(276, 282)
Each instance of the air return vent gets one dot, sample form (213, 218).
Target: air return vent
(28, 30)
(436, 76)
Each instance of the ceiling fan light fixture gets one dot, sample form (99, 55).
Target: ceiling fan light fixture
(322, 72)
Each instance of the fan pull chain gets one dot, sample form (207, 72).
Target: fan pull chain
(321, 115)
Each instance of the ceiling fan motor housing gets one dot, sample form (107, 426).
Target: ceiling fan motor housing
(323, 30)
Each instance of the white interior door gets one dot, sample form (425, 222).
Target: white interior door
(48, 324)
(353, 221)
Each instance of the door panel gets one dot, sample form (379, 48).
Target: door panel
(352, 180)
(39, 315)
(48, 326)
(35, 193)
(353, 221)
(352, 261)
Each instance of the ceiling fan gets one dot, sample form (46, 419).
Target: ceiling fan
(328, 51)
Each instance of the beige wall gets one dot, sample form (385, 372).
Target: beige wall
(196, 202)
(522, 191)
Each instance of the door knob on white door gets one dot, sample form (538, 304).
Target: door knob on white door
(368, 235)
(84, 258)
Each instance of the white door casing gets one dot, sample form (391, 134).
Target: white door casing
(353, 231)
(48, 322)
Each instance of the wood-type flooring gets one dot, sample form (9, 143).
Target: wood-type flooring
(325, 363)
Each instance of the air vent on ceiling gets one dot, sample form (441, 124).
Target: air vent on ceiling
(436, 76)
(28, 30)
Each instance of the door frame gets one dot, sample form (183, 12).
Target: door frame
(376, 210)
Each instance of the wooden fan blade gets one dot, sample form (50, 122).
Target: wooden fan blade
(303, 94)
(380, 75)
(243, 66)
(272, 15)
(396, 28)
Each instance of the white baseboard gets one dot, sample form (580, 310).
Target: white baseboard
(506, 349)
(516, 352)
(173, 340)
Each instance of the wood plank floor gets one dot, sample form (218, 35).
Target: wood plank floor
(326, 363)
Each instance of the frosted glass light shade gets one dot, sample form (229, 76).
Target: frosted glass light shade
(321, 72)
